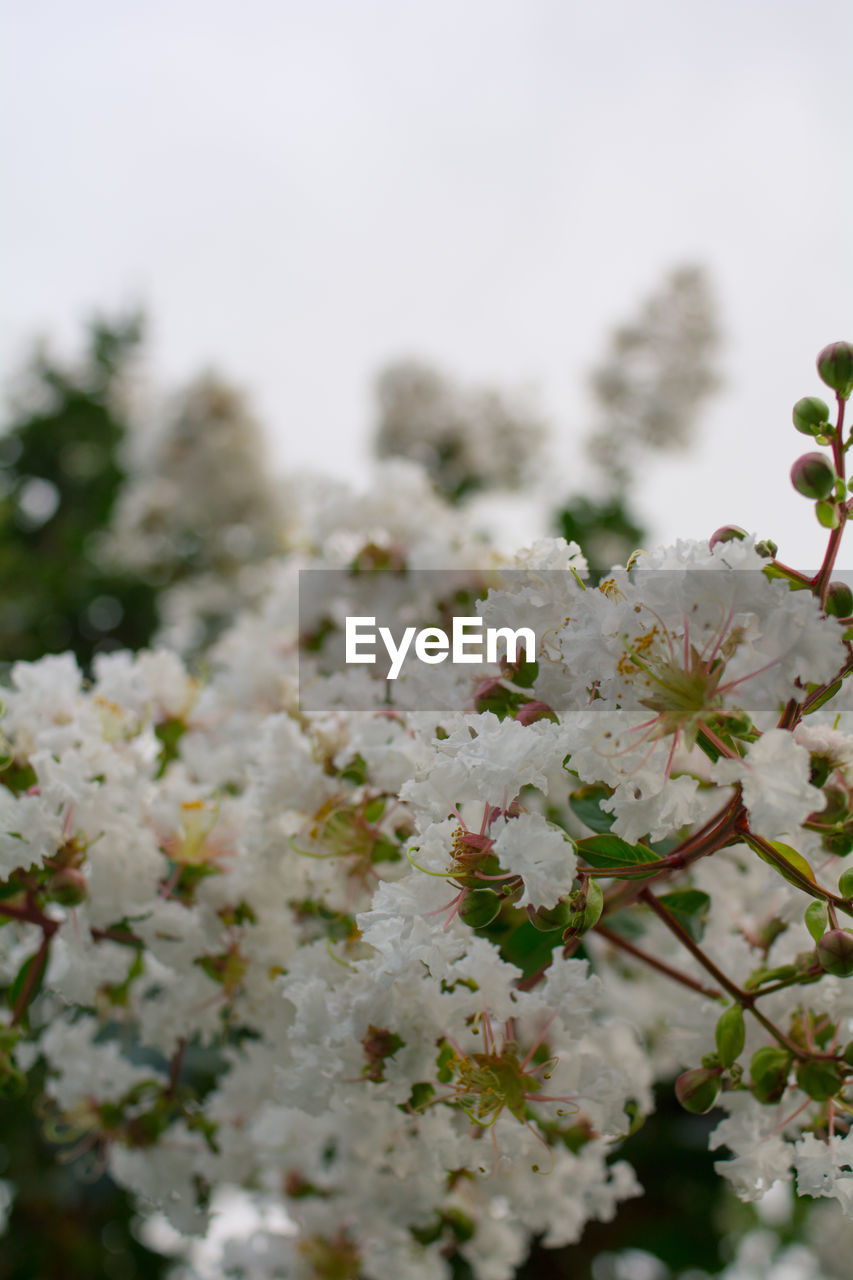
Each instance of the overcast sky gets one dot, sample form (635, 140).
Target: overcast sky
(300, 191)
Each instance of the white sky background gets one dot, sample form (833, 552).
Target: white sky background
(300, 191)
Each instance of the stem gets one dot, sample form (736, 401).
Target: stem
(744, 998)
(736, 992)
(175, 1067)
(30, 914)
(793, 574)
(707, 840)
(820, 582)
(36, 972)
(623, 944)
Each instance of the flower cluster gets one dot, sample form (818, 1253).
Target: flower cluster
(411, 975)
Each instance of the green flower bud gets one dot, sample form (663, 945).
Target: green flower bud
(730, 1035)
(839, 600)
(811, 415)
(547, 919)
(67, 887)
(813, 475)
(835, 366)
(820, 1080)
(479, 908)
(726, 533)
(697, 1089)
(769, 1071)
(845, 883)
(587, 909)
(532, 711)
(835, 952)
(766, 548)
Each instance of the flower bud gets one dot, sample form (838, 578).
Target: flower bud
(547, 919)
(766, 548)
(813, 475)
(811, 416)
(697, 1089)
(479, 908)
(840, 843)
(769, 1073)
(726, 533)
(835, 366)
(533, 711)
(839, 600)
(845, 883)
(835, 952)
(67, 886)
(730, 1035)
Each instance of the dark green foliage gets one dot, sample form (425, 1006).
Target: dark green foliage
(683, 1215)
(60, 474)
(605, 531)
(60, 1225)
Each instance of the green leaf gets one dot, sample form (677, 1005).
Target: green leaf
(385, 850)
(774, 570)
(816, 918)
(446, 1055)
(28, 982)
(526, 675)
(528, 949)
(788, 863)
(730, 1034)
(586, 805)
(613, 853)
(374, 809)
(827, 514)
(827, 696)
(690, 909)
(421, 1096)
(820, 1080)
(845, 883)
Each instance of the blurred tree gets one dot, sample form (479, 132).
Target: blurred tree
(59, 1226)
(200, 508)
(61, 469)
(467, 439)
(648, 391)
(60, 474)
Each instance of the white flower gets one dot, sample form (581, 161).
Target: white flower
(541, 854)
(775, 779)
